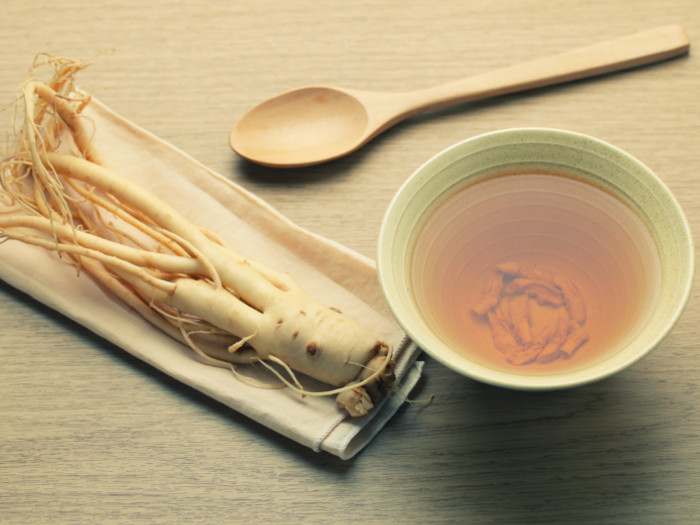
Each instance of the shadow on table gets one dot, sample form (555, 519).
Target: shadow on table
(570, 454)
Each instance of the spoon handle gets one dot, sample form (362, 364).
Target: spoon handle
(614, 55)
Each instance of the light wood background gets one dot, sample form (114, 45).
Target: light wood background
(90, 435)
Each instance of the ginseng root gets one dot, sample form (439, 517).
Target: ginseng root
(57, 193)
(513, 294)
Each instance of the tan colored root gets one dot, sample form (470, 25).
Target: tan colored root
(85, 243)
(227, 309)
(239, 271)
(294, 384)
(72, 119)
(130, 217)
(167, 323)
(49, 189)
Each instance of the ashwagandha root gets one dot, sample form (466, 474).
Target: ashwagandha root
(56, 192)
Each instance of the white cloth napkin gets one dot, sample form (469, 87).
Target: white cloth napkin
(331, 272)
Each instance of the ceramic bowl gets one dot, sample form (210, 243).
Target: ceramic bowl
(432, 263)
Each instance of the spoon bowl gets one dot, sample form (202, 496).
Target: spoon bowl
(305, 126)
(317, 124)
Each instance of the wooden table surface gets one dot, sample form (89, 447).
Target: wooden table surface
(88, 434)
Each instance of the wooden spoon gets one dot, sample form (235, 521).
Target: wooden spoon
(316, 124)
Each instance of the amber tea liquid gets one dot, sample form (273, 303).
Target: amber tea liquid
(556, 228)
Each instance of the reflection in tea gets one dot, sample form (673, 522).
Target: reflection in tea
(535, 268)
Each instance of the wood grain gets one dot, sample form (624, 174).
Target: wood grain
(90, 435)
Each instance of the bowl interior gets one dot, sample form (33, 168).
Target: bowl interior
(589, 175)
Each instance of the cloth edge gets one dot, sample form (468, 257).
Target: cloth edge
(353, 438)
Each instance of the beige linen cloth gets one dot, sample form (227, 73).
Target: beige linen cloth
(331, 272)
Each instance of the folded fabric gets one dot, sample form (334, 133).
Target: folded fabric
(331, 272)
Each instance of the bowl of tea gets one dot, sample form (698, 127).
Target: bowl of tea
(535, 258)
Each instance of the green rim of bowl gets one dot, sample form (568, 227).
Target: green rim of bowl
(575, 153)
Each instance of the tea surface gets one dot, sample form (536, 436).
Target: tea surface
(566, 229)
